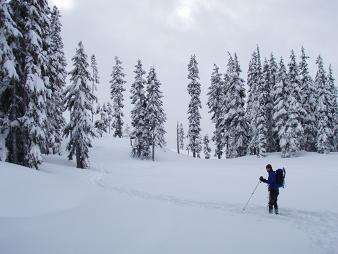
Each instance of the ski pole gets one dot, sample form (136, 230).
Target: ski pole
(251, 196)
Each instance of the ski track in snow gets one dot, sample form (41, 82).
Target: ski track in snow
(321, 228)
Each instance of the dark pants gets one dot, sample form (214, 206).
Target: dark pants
(273, 195)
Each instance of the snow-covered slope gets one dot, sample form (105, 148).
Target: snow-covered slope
(174, 205)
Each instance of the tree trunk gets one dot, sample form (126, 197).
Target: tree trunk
(79, 163)
(153, 151)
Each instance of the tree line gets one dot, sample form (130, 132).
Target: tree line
(34, 95)
(286, 110)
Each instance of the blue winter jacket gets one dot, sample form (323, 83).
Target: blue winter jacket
(271, 180)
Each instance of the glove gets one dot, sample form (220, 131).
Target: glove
(261, 178)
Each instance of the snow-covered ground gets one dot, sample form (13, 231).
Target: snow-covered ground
(174, 205)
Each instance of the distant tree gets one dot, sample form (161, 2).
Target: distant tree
(57, 80)
(256, 107)
(181, 136)
(333, 107)
(140, 132)
(273, 79)
(280, 108)
(293, 127)
(78, 100)
(234, 114)
(194, 117)
(177, 138)
(308, 100)
(268, 105)
(109, 110)
(117, 82)
(206, 147)
(102, 124)
(126, 132)
(155, 115)
(94, 77)
(215, 103)
(323, 142)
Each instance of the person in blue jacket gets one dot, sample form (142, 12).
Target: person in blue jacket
(272, 187)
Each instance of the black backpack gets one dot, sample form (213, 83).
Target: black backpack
(280, 177)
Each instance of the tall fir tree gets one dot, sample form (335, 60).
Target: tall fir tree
(178, 138)
(268, 105)
(206, 147)
(117, 88)
(234, 114)
(78, 100)
(324, 132)
(94, 78)
(280, 109)
(308, 100)
(102, 123)
(333, 107)
(9, 78)
(28, 137)
(57, 80)
(155, 115)
(256, 113)
(138, 99)
(110, 116)
(273, 79)
(293, 126)
(181, 136)
(215, 103)
(194, 117)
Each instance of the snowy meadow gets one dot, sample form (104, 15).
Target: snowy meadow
(174, 205)
(162, 150)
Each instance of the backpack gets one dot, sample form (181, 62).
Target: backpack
(280, 177)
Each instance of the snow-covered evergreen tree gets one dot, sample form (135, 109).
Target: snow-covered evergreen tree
(109, 108)
(206, 147)
(181, 136)
(102, 124)
(268, 105)
(155, 115)
(177, 138)
(78, 100)
(9, 81)
(333, 107)
(273, 76)
(94, 77)
(323, 142)
(215, 103)
(293, 127)
(27, 138)
(308, 100)
(57, 79)
(234, 114)
(256, 113)
(253, 78)
(140, 132)
(127, 132)
(280, 108)
(194, 117)
(116, 85)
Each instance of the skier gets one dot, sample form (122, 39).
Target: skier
(272, 187)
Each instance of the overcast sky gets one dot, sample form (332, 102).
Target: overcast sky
(164, 33)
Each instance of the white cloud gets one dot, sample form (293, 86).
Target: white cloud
(64, 4)
(184, 15)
